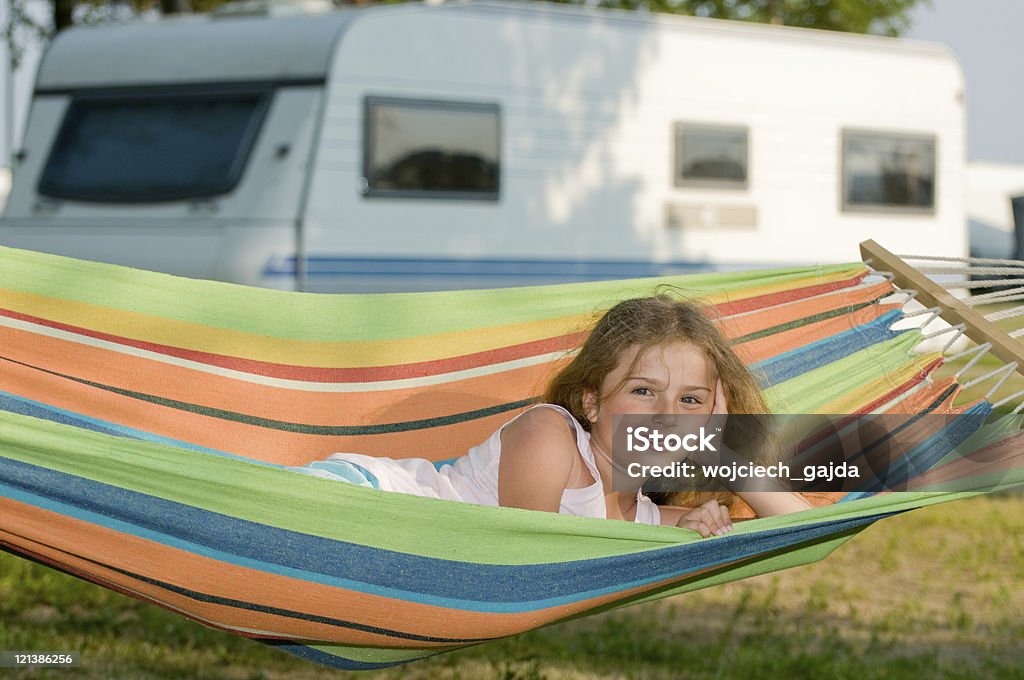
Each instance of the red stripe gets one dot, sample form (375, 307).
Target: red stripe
(772, 299)
(409, 370)
(852, 417)
(325, 374)
(917, 379)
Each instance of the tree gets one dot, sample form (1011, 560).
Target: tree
(881, 17)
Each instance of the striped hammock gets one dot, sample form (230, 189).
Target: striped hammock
(145, 419)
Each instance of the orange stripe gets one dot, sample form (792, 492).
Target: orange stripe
(250, 441)
(794, 338)
(1002, 456)
(277, 403)
(923, 398)
(738, 326)
(93, 543)
(150, 559)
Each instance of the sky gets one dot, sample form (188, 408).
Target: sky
(986, 37)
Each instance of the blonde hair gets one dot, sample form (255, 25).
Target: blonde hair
(645, 323)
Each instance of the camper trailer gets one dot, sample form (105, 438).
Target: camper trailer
(480, 144)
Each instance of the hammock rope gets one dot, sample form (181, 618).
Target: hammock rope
(973, 324)
(145, 420)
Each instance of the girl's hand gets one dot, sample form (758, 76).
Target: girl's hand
(720, 410)
(721, 407)
(707, 519)
(721, 402)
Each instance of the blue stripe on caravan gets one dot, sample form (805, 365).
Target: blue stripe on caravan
(428, 580)
(22, 406)
(826, 351)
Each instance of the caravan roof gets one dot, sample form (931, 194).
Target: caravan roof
(211, 48)
(193, 50)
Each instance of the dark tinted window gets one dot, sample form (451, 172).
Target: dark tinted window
(152, 148)
(421, 149)
(711, 155)
(888, 171)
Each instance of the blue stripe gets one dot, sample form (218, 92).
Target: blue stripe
(20, 405)
(28, 407)
(925, 455)
(428, 580)
(804, 359)
(341, 470)
(338, 661)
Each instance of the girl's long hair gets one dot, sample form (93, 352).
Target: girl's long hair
(648, 322)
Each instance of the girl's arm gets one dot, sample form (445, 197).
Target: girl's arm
(670, 514)
(538, 451)
(768, 503)
(763, 503)
(706, 519)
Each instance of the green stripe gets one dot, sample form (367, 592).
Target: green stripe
(404, 523)
(354, 317)
(382, 654)
(805, 321)
(286, 426)
(810, 391)
(409, 524)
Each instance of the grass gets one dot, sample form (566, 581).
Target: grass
(934, 593)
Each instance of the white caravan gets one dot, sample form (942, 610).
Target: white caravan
(432, 146)
(990, 189)
(5, 186)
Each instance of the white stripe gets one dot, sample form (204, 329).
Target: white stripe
(841, 291)
(284, 383)
(895, 401)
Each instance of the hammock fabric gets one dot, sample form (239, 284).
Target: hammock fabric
(144, 419)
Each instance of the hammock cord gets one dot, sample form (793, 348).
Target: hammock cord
(971, 270)
(968, 260)
(973, 266)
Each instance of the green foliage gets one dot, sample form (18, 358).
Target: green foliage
(881, 17)
(21, 30)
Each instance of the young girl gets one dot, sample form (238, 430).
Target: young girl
(652, 355)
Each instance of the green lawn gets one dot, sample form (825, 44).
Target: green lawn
(934, 593)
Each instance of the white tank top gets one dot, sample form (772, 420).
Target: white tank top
(473, 478)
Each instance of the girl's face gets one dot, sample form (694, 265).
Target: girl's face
(672, 378)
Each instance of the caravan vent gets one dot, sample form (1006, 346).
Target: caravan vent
(709, 216)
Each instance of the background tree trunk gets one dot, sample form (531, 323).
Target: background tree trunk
(62, 10)
(175, 6)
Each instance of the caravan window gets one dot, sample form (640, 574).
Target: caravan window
(884, 172)
(140, 148)
(711, 155)
(431, 149)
